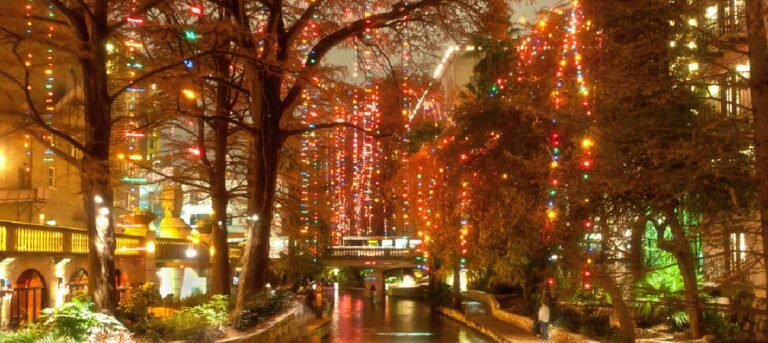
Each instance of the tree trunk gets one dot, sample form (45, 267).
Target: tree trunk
(220, 278)
(680, 247)
(758, 86)
(266, 150)
(626, 323)
(456, 286)
(96, 183)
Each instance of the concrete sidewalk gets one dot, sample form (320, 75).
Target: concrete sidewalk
(477, 313)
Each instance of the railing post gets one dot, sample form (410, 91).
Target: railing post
(11, 238)
(66, 241)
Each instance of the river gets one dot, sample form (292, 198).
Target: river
(357, 319)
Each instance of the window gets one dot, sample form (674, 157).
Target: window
(51, 177)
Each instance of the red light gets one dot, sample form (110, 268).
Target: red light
(587, 273)
(135, 20)
(195, 151)
(586, 164)
(587, 286)
(551, 281)
(196, 10)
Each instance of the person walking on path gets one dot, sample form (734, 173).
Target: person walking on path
(543, 320)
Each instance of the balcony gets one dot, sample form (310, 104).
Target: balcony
(14, 196)
(726, 19)
(17, 237)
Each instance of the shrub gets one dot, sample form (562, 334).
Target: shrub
(78, 320)
(260, 307)
(31, 333)
(134, 309)
(202, 323)
(440, 295)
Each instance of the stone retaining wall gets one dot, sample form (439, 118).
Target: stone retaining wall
(556, 335)
(459, 317)
(286, 327)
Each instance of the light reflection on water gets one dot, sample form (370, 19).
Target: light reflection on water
(357, 319)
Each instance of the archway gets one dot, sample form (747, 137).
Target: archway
(78, 283)
(30, 296)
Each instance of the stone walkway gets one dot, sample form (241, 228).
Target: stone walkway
(477, 313)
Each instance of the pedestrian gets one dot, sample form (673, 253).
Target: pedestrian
(542, 324)
(319, 300)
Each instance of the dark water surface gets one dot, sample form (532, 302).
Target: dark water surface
(357, 319)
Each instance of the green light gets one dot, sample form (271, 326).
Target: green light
(586, 176)
(191, 35)
(134, 179)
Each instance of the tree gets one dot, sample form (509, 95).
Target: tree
(758, 85)
(278, 73)
(660, 156)
(81, 31)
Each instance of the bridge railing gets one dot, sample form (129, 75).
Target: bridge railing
(342, 252)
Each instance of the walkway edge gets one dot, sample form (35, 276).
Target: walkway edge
(459, 317)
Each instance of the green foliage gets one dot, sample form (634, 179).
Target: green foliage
(440, 295)
(260, 307)
(134, 309)
(660, 299)
(425, 133)
(31, 333)
(719, 325)
(75, 321)
(202, 323)
(587, 321)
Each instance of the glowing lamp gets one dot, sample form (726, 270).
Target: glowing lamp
(586, 143)
(189, 94)
(191, 252)
(551, 214)
(151, 247)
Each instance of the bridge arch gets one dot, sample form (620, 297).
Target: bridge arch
(30, 296)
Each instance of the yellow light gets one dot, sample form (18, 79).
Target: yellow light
(3, 161)
(553, 164)
(551, 214)
(120, 156)
(587, 143)
(714, 90)
(151, 247)
(505, 176)
(189, 94)
(135, 157)
(212, 251)
(693, 67)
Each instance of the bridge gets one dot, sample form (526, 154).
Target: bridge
(378, 257)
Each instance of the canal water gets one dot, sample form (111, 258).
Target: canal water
(357, 319)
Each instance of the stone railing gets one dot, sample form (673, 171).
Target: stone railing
(367, 252)
(16, 237)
